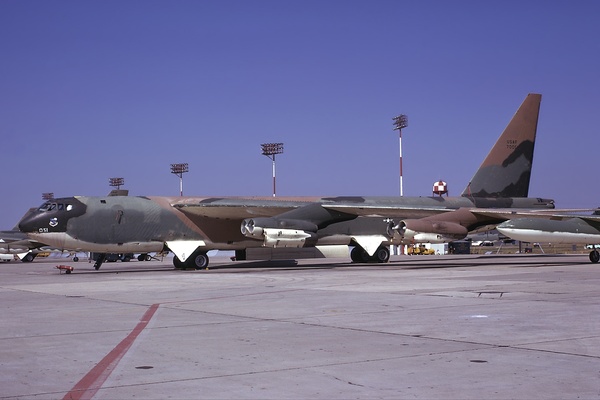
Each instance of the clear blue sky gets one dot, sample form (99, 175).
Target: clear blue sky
(96, 89)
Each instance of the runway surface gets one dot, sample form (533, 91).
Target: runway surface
(425, 327)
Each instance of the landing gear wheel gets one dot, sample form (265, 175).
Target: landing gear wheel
(28, 258)
(594, 256)
(382, 255)
(198, 261)
(177, 263)
(99, 261)
(359, 255)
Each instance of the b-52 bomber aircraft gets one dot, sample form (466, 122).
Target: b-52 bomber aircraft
(17, 243)
(557, 228)
(191, 226)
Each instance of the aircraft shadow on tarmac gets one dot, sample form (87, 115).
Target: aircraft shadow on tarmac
(241, 267)
(518, 260)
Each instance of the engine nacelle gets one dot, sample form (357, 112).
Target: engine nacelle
(430, 231)
(280, 232)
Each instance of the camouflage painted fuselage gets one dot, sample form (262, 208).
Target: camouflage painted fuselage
(144, 224)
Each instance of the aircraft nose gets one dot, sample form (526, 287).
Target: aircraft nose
(52, 216)
(30, 223)
(518, 223)
(505, 225)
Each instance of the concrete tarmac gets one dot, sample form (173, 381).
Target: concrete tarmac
(425, 327)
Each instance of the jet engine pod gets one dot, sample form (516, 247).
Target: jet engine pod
(430, 231)
(250, 229)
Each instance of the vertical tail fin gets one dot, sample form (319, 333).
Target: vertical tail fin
(506, 170)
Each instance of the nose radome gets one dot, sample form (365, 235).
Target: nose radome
(52, 216)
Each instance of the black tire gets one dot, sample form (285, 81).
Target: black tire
(148, 257)
(177, 263)
(141, 257)
(382, 255)
(28, 258)
(198, 260)
(75, 259)
(594, 256)
(359, 255)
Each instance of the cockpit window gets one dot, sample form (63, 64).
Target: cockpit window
(55, 206)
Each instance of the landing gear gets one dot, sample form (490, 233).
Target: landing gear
(198, 260)
(359, 255)
(382, 255)
(594, 256)
(28, 257)
(99, 261)
(178, 264)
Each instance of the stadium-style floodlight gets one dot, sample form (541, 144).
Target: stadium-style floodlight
(116, 182)
(401, 121)
(269, 150)
(48, 196)
(179, 170)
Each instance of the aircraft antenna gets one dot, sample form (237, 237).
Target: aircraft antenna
(48, 196)
(401, 121)
(179, 170)
(269, 150)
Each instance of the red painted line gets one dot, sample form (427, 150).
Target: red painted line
(87, 387)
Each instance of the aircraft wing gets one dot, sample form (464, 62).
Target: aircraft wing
(236, 209)
(225, 208)
(12, 242)
(386, 211)
(554, 214)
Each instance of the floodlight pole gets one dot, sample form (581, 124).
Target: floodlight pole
(269, 150)
(116, 182)
(401, 121)
(179, 170)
